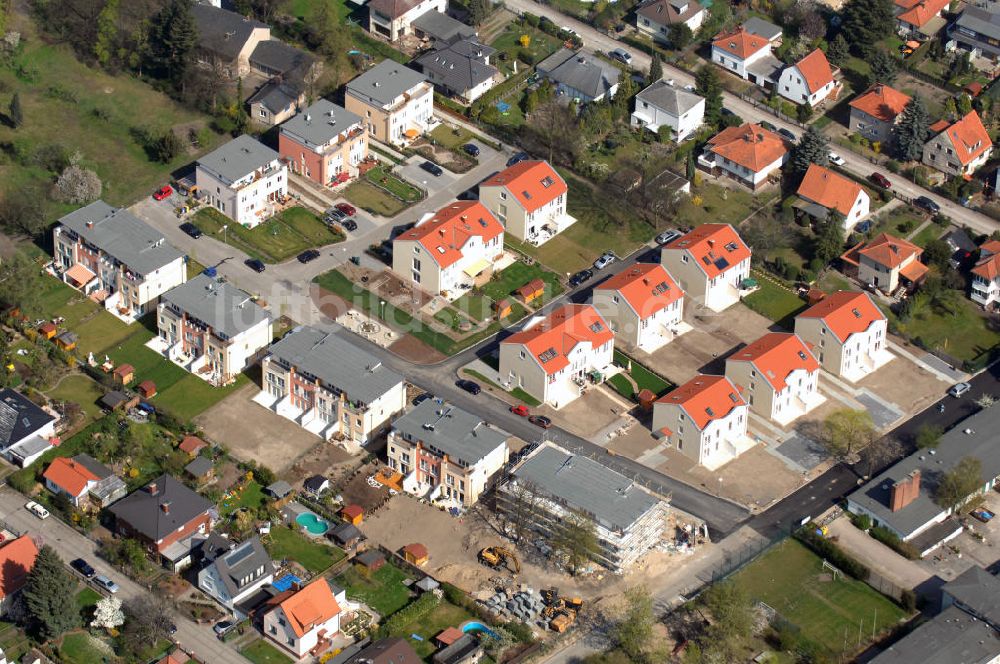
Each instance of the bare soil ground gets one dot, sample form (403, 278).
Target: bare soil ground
(908, 385)
(357, 491)
(413, 350)
(327, 459)
(587, 415)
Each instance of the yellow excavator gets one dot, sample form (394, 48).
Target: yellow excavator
(495, 556)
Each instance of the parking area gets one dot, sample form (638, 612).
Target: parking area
(588, 416)
(906, 384)
(411, 171)
(979, 544)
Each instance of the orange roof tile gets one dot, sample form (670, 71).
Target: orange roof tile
(988, 268)
(775, 356)
(550, 340)
(445, 234)
(740, 43)
(969, 137)
(882, 102)
(749, 145)
(990, 247)
(192, 444)
(449, 635)
(124, 370)
(533, 183)
(914, 271)
(714, 247)
(68, 475)
(834, 192)
(16, 560)
(938, 126)
(815, 70)
(313, 605)
(176, 657)
(918, 12)
(889, 250)
(416, 549)
(646, 287)
(845, 313)
(705, 398)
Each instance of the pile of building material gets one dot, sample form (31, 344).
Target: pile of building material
(524, 605)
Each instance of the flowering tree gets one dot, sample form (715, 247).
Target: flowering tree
(108, 614)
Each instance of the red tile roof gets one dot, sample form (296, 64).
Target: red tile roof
(845, 313)
(550, 340)
(739, 43)
(969, 137)
(16, 560)
(313, 605)
(646, 287)
(749, 145)
(882, 102)
(775, 356)
(919, 12)
(416, 549)
(69, 475)
(446, 233)
(176, 657)
(988, 268)
(715, 248)
(533, 183)
(192, 444)
(889, 250)
(124, 370)
(832, 191)
(705, 398)
(815, 69)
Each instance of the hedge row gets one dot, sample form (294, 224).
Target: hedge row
(892, 540)
(831, 552)
(412, 612)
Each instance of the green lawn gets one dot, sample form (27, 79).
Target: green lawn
(290, 543)
(79, 648)
(82, 390)
(383, 590)
(252, 496)
(262, 652)
(57, 299)
(13, 640)
(102, 332)
(451, 137)
(643, 377)
(370, 198)
(478, 303)
(774, 302)
(278, 239)
(926, 234)
(442, 616)
(715, 204)
(524, 397)
(539, 47)
(382, 176)
(87, 598)
(790, 579)
(961, 332)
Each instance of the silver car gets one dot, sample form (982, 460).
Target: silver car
(958, 389)
(604, 260)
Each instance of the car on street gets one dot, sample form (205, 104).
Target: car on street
(36, 509)
(958, 389)
(836, 159)
(767, 125)
(667, 236)
(346, 208)
(580, 277)
(349, 225)
(540, 421)
(880, 180)
(517, 158)
(163, 192)
(104, 582)
(308, 256)
(432, 168)
(927, 204)
(470, 386)
(255, 264)
(787, 135)
(83, 567)
(622, 56)
(471, 149)
(420, 398)
(604, 260)
(520, 410)
(222, 626)
(191, 229)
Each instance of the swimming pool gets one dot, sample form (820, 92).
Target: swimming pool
(476, 626)
(312, 523)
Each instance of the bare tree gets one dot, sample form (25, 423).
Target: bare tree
(882, 452)
(555, 126)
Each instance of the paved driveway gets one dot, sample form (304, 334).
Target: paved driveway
(433, 184)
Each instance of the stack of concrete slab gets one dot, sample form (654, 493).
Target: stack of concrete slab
(525, 605)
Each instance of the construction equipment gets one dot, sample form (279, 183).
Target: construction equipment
(495, 556)
(562, 621)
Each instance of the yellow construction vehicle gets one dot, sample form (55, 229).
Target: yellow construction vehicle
(563, 620)
(495, 556)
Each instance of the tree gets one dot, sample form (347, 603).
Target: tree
(576, 539)
(804, 112)
(50, 595)
(108, 614)
(838, 51)
(479, 10)
(884, 66)
(167, 146)
(689, 168)
(882, 452)
(731, 609)
(707, 84)
(107, 33)
(929, 435)
(959, 483)
(77, 185)
(830, 237)
(655, 69)
(964, 106)
(808, 21)
(865, 22)
(813, 148)
(15, 112)
(633, 630)
(913, 130)
(680, 36)
(555, 126)
(172, 38)
(846, 432)
(986, 401)
(147, 620)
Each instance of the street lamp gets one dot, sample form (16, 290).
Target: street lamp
(381, 304)
(225, 234)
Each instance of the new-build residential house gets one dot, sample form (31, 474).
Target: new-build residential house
(306, 620)
(705, 419)
(847, 334)
(875, 112)
(657, 17)
(226, 39)
(554, 357)
(236, 572)
(460, 68)
(116, 258)
(746, 52)
(529, 199)
(329, 386)
(451, 251)
(920, 18)
(324, 143)
(986, 275)
(885, 262)
(977, 30)
(777, 375)
(552, 485)
(808, 81)
(580, 76)
(446, 453)
(711, 264)
(748, 154)
(392, 19)
(959, 148)
(17, 558)
(823, 190)
(396, 102)
(83, 479)
(902, 497)
(168, 518)
(27, 431)
(211, 328)
(244, 180)
(643, 305)
(664, 105)
(293, 74)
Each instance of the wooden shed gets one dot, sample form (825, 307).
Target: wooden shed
(371, 560)
(147, 389)
(352, 514)
(67, 340)
(124, 374)
(193, 445)
(532, 290)
(501, 308)
(416, 554)
(47, 330)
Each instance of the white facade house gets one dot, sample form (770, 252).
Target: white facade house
(236, 573)
(710, 263)
(306, 622)
(244, 180)
(529, 199)
(450, 251)
(396, 102)
(30, 432)
(808, 81)
(749, 154)
(392, 19)
(329, 386)
(959, 148)
(643, 305)
(664, 105)
(554, 358)
(986, 275)
(847, 333)
(823, 190)
(746, 52)
(657, 17)
(778, 376)
(705, 419)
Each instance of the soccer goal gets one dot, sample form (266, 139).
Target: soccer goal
(836, 573)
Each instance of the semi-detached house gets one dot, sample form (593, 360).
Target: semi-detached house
(977, 30)
(748, 154)
(823, 191)
(392, 19)
(711, 263)
(244, 180)
(959, 148)
(529, 199)
(920, 18)
(986, 275)
(643, 305)
(324, 142)
(746, 52)
(808, 81)
(847, 333)
(395, 102)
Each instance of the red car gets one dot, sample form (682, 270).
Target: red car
(163, 192)
(347, 209)
(520, 409)
(880, 180)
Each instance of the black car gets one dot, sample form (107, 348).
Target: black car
(469, 386)
(517, 158)
(471, 149)
(540, 421)
(308, 255)
(255, 264)
(420, 398)
(787, 134)
(349, 224)
(927, 204)
(191, 229)
(767, 125)
(432, 168)
(580, 277)
(83, 567)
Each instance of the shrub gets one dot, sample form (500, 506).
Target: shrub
(908, 600)
(526, 56)
(413, 611)
(891, 540)
(861, 521)
(817, 265)
(77, 185)
(521, 632)
(892, 166)
(792, 272)
(833, 553)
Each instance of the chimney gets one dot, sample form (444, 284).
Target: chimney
(165, 506)
(153, 489)
(904, 491)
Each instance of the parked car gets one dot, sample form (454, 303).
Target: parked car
(191, 229)
(622, 56)
(668, 236)
(580, 277)
(983, 515)
(335, 214)
(927, 204)
(420, 398)
(83, 567)
(222, 627)
(517, 158)
(787, 134)
(471, 149)
(255, 264)
(540, 420)
(767, 125)
(36, 509)
(958, 389)
(104, 582)
(604, 260)
(836, 159)
(163, 192)
(308, 256)
(880, 180)
(346, 208)
(520, 410)
(432, 168)
(349, 225)
(469, 386)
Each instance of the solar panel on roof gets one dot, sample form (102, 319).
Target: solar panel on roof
(721, 263)
(239, 555)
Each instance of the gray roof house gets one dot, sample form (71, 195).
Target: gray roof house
(460, 68)
(440, 27)
(580, 76)
(25, 428)
(977, 30)
(952, 637)
(656, 17)
(464, 650)
(316, 126)
(237, 574)
(447, 429)
(758, 26)
(384, 83)
(663, 104)
(291, 71)
(238, 158)
(227, 38)
(217, 303)
(975, 591)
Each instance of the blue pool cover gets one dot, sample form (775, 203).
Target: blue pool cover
(285, 582)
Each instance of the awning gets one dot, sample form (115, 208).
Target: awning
(477, 267)
(80, 274)
(411, 133)
(914, 271)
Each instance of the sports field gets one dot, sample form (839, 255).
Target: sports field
(829, 612)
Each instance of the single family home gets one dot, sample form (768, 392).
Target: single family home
(847, 333)
(746, 52)
(529, 199)
(396, 102)
(885, 262)
(393, 19)
(244, 180)
(324, 143)
(977, 30)
(27, 431)
(580, 76)
(959, 148)
(643, 305)
(226, 39)
(664, 105)
(307, 620)
(748, 154)
(875, 112)
(710, 263)
(986, 275)
(823, 191)
(83, 479)
(656, 18)
(920, 18)
(808, 81)
(17, 558)
(460, 68)
(236, 573)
